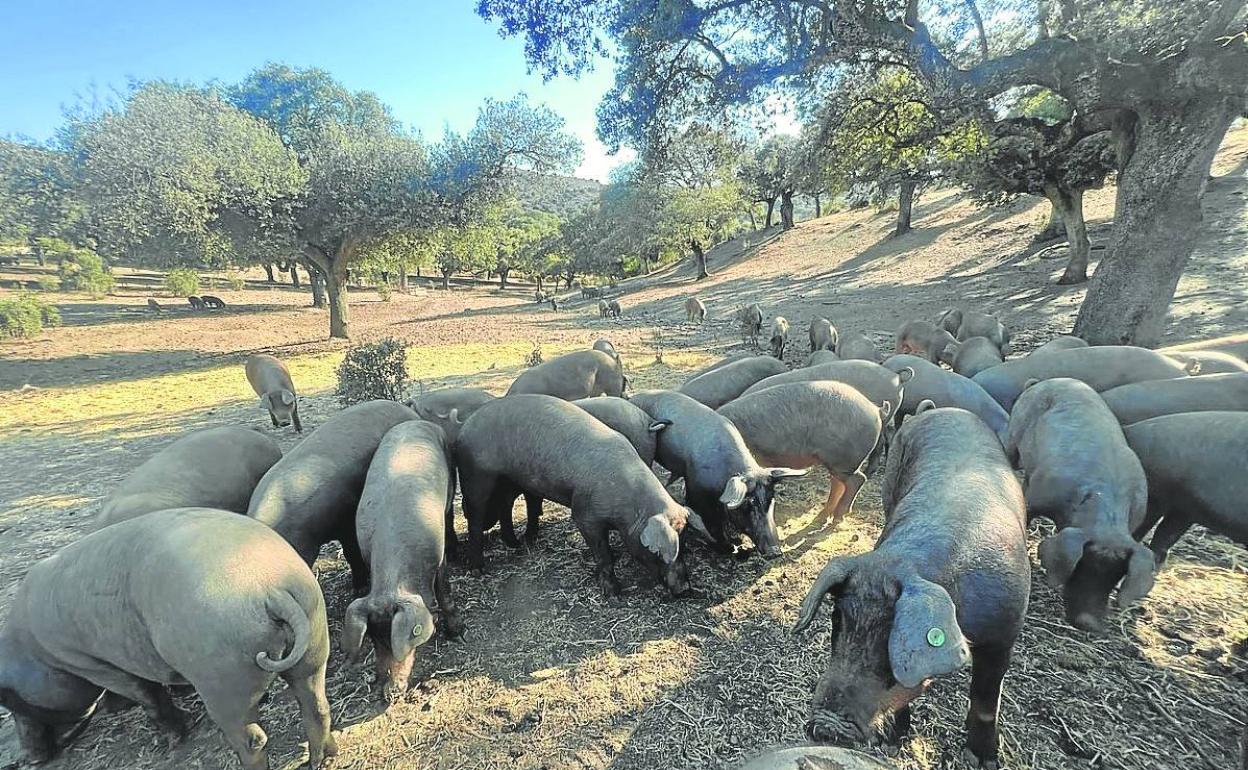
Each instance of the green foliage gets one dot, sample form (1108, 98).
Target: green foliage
(182, 282)
(26, 315)
(384, 292)
(236, 283)
(48, 283)
(372, 371)
(84, 270)
(38, 196)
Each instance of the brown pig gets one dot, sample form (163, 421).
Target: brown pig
(271, 381)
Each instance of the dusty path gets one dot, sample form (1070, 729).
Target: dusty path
(550, 676)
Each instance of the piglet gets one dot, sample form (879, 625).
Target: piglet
(946, 585)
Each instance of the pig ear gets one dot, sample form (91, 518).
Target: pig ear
(1030, 382)
(951, 317)
(659, 425)
(734, 492)
(353, 628)
(905, 374)
(410, 627)
(780, 474)
(1192, 367)
(699, 526)
(1061, 553)
(288, 398)
(924, 405)
(886, 410)
(926, 641)
(1141, 570)
(659, 536)
(831, 578)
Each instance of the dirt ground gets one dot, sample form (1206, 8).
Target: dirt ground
(549, 675)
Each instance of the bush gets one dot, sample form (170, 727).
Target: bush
(84, 270)
(237, 283)
(182, 282)
(535, 356)
(383, 291)
(26, 314)
(47, 283)
(372, 371)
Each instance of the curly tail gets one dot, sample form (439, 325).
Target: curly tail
(283, 608)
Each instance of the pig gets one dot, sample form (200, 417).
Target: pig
(154, 306)
(947, 584)
(857, 346)
(1100, 367)
(195, 302)
(631, 422)
(580, 374)
(603, 308)
(1194, 463)
(944, 388)
(189, 595)
(872, 380)
(449, 407)
(210, 468)
(588, 292)
(814, 758)
(546, 448)
(723, 482)
(823, 335)
(554, 303)
(695, 310)
(402, 524)
(751, 323)
(965, 324)
(1081, 474)
(1207, 361)
(728, 359)
(613, 308)
(719, 386)
(804, 424)
(1210, 393)
(779, 335)
(1059, 343)
(310, 496)
(921, 338)
(271, 381)
(213, 303)
(604, 345)
(820, 357)
(971, 357)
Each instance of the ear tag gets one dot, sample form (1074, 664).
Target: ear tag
(936, 637)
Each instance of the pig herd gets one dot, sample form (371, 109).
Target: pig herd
(173, 587)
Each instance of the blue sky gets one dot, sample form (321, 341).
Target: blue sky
(432, 61)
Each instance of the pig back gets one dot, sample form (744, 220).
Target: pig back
(1209, 393)
(266, 374)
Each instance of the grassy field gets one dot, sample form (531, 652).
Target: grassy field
(550, 675)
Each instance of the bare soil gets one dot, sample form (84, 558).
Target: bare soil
(550, 675)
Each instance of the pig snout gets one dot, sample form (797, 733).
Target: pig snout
(676, 578)
(762, 528)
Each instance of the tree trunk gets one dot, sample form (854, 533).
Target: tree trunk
(771, 205)
(317, 280)
(699, 259)
(1054, 228)
(570, 277)
(403, 278)
(818, 206)
(336, 287)
(294, 273)
(539, 282)
(446, 281)
(1068, 209)
(268, 272)
(786, 209)
(503, 272)
(753, 221)
(1158, 218)
(905, 208)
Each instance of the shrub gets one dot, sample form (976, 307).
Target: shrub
(47, 283)
(26, 314)
(383, 291)
(84, 270)
(535, 356)
(182, 282)
(237, 283)
(371, 371)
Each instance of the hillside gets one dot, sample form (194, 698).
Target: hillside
(564, 196)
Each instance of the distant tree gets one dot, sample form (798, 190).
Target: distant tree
(38, 195)
(1168, 76)
(767, 175)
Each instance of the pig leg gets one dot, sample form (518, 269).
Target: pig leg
(273, 417)
(853, 484)
(294, 416)
(533, 509)
(309, 690)
(452, 625)
(503, 504)
(153, 697)
(451, 546)
(836, 490)
(360, 576)
(988, 665)
(600, 546)
(478, 494)
(1168, 533)
(238, 718)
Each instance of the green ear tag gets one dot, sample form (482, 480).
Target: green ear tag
(936, 637)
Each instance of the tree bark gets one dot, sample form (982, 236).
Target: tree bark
(294, 273)
(1054, 228)
(1157, 220)
(818, 206)
(317, 281)
(336, 287)
(753, 221)
(905, 207)
(771, 205)
(570, 277)
(268, 272)
(503, 272)
(1068, 209)
(446, 281)
(699, 259)
(403, 278)
(786, 209)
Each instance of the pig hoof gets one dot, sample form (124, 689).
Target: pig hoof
(453, 628)
(972, 760)
(393, 692)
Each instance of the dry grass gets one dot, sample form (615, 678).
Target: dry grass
(549, 674)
